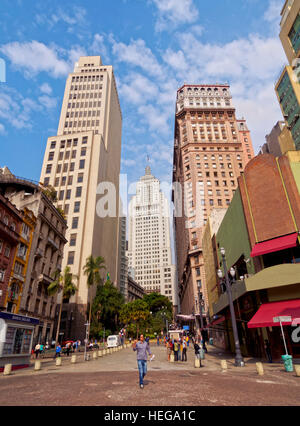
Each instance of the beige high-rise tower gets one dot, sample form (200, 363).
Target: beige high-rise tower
(211, 150)
(86, 152)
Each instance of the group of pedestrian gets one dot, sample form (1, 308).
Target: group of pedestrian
(178, 347)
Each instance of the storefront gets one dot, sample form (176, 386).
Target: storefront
(268, 319)
(16, 335)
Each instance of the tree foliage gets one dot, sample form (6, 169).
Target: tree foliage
(106, 309)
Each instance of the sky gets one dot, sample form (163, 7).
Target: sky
(155, 46)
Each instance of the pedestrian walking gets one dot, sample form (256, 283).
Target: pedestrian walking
(204, 345)
(176, 349)
(180, 348)
(157, 341)
(197, 352)
(42, 351)
(68, 348)
(142, 347)
(57, 351)
(37, 350)
(268, 350)
(184, 348)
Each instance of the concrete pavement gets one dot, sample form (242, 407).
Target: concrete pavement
(112, 380)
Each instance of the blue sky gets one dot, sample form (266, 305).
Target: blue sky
(155, 46)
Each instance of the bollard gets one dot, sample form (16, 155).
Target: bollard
(172, 357)
(224, 364)
(73, 359)
(260, 368)
(37, 365)
(297, 369)
(104, 352)
(95, 355)
(58, 361)
(99, 353)
(197, 363)
(7, 369)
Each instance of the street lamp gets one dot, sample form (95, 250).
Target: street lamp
(239, 361)
(201, 304)
(86, 358)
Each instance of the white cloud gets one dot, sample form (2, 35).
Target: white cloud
(272, 14)
(47, 101)
(98, 46)
(138, 89)
(2, 129)
(34, 57)
(137, 54)
(172, 13)
(46, 88)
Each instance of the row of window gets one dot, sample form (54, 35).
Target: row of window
(67, 154)
(94, 104)
(65, 167)
(88, 78)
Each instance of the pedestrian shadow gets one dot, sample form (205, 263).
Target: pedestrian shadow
(147, 382)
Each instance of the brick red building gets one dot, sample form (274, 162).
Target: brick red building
(10, 227)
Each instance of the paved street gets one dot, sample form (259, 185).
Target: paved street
(113, 381)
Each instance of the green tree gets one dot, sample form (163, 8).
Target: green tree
(63, 283)
(92, 269)
(106, 309)
(158, 302)
(137, 312)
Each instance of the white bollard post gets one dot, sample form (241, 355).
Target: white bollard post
(99, 353)
(7, 369)
(172, 357)
(73, 359)
(58, 362)
(260, 368)
(224, 364)
(297, 370)
(197, 363)
(37, 365)
(95, 355)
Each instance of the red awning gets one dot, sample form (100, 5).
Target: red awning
(276, 244)
(264, 317)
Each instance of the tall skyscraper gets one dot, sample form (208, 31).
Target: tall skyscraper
(149, 242)
(85, 153)
(211, 149)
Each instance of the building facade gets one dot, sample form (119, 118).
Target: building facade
(149, 241)
(135, 291)
(40, 252)
(211, 149)
(261, 243)
(10, 229)
(287, 87)
(82, 163)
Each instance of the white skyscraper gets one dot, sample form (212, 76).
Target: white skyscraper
(149, 243)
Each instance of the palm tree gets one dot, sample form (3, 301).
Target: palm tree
(62, 283)
(92, 269)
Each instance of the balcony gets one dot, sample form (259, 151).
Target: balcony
(278, 276)
(18, 277)
(8, 233)
(52, 243)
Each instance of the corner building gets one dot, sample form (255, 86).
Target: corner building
(211, 149)
(86, 152)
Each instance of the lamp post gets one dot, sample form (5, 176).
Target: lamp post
(86, 340)
(201, 303)
(239, 361)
